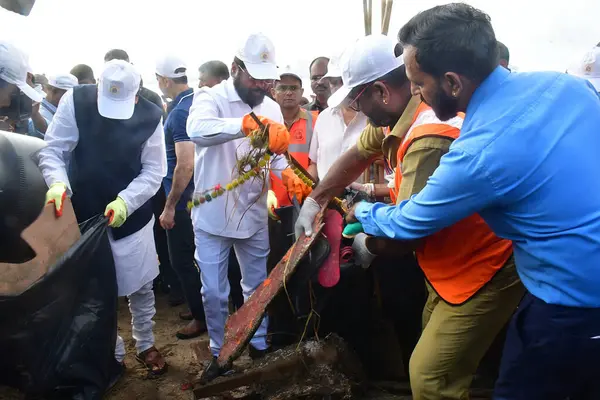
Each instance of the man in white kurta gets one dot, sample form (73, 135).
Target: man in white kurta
(111, 127)
(219, 123)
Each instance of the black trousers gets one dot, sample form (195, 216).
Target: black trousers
(551, 352)
(160, 241)
(403, 296)
(181, 252)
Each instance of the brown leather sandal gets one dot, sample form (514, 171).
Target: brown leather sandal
(153, 361)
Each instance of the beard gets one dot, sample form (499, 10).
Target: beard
(380, 119)
(252, 97)
(444, 106)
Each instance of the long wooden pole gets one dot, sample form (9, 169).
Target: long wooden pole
(367, 13)
(386, 15)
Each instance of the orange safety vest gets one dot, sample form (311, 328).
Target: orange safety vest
(301, 134)
(460, 259)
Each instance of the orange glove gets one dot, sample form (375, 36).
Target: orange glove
(294, 185)
(279, 137)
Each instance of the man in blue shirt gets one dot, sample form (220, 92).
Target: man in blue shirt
(56, 87)
(527, 162)
(179, 187)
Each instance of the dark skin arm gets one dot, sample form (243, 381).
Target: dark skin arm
(183, 173)
(390, 247)
(38, 121)
(345, 171)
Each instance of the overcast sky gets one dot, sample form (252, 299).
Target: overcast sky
(58, 34)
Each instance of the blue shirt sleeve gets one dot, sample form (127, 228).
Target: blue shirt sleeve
(458, 188)
(178, 121)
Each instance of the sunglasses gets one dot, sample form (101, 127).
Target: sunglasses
(287, 88)
(354, 104)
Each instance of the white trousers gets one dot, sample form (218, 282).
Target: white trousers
(212, 254)
(141, 307)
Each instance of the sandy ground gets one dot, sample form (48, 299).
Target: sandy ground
(183, 365)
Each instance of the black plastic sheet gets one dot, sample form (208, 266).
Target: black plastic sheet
(57, 339)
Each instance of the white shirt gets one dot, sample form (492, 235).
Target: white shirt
(332, 137)
(135, 255)
(215, 124)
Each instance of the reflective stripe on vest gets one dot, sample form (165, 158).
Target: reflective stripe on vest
(297, 150)
(460, 259)
(304, 147)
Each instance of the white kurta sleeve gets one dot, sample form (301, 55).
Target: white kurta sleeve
(206, 128)
(278, 165)
(313, 152)
(154, 169)
(61, 138)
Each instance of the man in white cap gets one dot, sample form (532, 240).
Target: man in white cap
(116, 146)
(471, 275)
(589, 68)
(56, 87)
(13, 79)
(171, 74)
(220, 123)
(337, 128)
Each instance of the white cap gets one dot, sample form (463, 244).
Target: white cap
(589, 68)
(167, 66)
(370, 58)
(13, 69)
(118, 85)
(289, 71)
(333, 68)
(63, 81)
(258, 55)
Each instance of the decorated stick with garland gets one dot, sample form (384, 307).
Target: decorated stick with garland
(256, 162)
(303, 174)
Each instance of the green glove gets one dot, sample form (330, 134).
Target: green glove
(116, 211)
(57, 193)
(352, 230)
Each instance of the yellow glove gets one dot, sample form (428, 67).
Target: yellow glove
(116, 211)
(57, 193)
(272, 204)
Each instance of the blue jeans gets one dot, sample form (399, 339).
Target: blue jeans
(551, 352)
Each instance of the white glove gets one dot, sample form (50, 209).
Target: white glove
(307, 215)
(362, 255)
(368, 188)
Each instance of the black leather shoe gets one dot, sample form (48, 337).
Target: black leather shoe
(211, 372)
(256, 354)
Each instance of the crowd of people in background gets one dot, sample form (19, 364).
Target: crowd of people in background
(488, 177)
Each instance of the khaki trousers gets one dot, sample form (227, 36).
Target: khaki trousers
(455, 338)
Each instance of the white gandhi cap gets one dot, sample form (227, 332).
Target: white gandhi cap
(13, 69)
(167, 66)
(589, 68)
(258, 55)
(118, 85)
(367, 60)
(63, 81)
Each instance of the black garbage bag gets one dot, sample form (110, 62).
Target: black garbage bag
(57, 339)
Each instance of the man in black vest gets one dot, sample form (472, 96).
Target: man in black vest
(115, 142)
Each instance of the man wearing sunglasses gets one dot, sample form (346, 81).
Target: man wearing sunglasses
(471, 277)
(221, 126)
